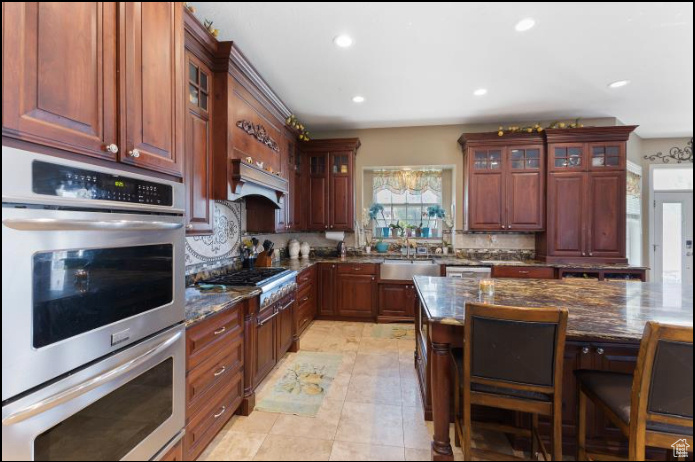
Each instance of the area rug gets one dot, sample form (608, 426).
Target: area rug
(304, 385)
(394, 331)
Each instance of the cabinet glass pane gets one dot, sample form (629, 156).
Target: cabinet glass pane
(533, 154)
(560, 152)
(203, 81)
(517, 164)
(613, 161)
(495, 160)
(193, 94)
(533, 163)
(203, 101)
(613, 151)
(517, 154)
(193, 73)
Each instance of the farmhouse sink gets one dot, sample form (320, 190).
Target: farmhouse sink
(404, 270)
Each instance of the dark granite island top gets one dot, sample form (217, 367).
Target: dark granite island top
(598, 310)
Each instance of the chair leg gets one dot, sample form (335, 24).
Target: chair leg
(557, 429)
(534, 440)
(581, 425)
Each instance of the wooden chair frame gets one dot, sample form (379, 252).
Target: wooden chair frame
(552, 409)
(636, 430)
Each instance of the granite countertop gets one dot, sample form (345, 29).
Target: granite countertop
(201, 304)
(597, 310)
(301, 264)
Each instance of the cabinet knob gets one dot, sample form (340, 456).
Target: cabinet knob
(134, 153)
(502, 226)
(112, 148)
(591, 254)
(189, 226)
(583, 254)
(599, 350)
(585, 350)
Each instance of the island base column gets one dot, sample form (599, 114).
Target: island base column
(441, 398)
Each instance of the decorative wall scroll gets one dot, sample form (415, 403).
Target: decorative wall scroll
(259, 132)
(680, 155)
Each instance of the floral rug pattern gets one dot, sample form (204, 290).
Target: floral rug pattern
(304, 384)
(393, 331)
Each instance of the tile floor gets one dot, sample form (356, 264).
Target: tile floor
(371, 412)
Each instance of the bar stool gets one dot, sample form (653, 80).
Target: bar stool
(653, 406)
(512, 359)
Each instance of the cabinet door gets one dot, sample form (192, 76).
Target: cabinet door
(394, 300)
(341, 215)
(198, 171)
(318, 210)
(152, 85)
(486, 190)
(266, 349)
(326, 298)
(606, 214)
(566, 203)
(524, 188)
(356, 295)
(59, 78)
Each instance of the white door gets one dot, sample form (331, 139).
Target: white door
(673, 237)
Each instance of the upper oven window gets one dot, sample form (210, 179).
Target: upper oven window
(76, 291)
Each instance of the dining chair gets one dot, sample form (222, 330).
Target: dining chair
(512, 359)
(652, 407)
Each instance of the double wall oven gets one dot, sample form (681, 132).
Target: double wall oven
(93, 362)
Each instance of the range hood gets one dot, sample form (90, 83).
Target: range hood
(248, 180)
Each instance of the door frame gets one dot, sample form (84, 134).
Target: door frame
(651, 195)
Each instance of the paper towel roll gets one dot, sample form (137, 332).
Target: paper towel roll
(335, 235)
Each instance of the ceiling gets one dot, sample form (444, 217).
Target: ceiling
(419, 63)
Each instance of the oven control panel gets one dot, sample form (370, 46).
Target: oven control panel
(64, 181)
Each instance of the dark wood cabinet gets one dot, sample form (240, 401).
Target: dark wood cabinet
(356, 296)
(307, 288)
(504, 180)
(265, 348)
(397, 302)
(285, 327)
(523, 272)
(330, 178)
(152, 85)
(78, 77)
(298, 198)
(60, 75)
(326, 289)
(586, 197)
(214, 378)
(198, 158)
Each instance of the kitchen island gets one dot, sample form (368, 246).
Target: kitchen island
(605, 325)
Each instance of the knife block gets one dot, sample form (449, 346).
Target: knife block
(264, 260)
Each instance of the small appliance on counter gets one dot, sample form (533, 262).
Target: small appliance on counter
(342, 249)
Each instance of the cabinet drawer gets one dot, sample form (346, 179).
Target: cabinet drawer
(523, 272)
(205, 424)
(305, 314)
(306, 277)
(357, 268)
(305, 295)
(213, 373)
(207, 337)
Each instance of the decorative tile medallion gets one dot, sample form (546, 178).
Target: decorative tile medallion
(223, 244)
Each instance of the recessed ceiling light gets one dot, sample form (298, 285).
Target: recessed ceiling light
(358, 99)
(480, 92)
(618, 83)
(343, 41)
(525, 24)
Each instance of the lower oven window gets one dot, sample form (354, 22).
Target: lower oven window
(75, 291)
(111, 427)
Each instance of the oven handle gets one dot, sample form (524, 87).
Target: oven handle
(71, 393)
(51, 224)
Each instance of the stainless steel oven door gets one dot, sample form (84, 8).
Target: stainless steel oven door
(124, 407)
(78, 285)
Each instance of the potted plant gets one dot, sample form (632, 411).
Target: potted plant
(396, 229)
(425, 230)
(436, 212)
(381, 246)
(410, 230)
(374, 211)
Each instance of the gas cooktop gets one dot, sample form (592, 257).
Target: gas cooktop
(248, 277)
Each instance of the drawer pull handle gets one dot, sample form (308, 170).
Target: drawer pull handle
(220, 371)
(305, 298)
(523, 272)
(220, 330)
(599, 350)
(585, 350)
(222, 411)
